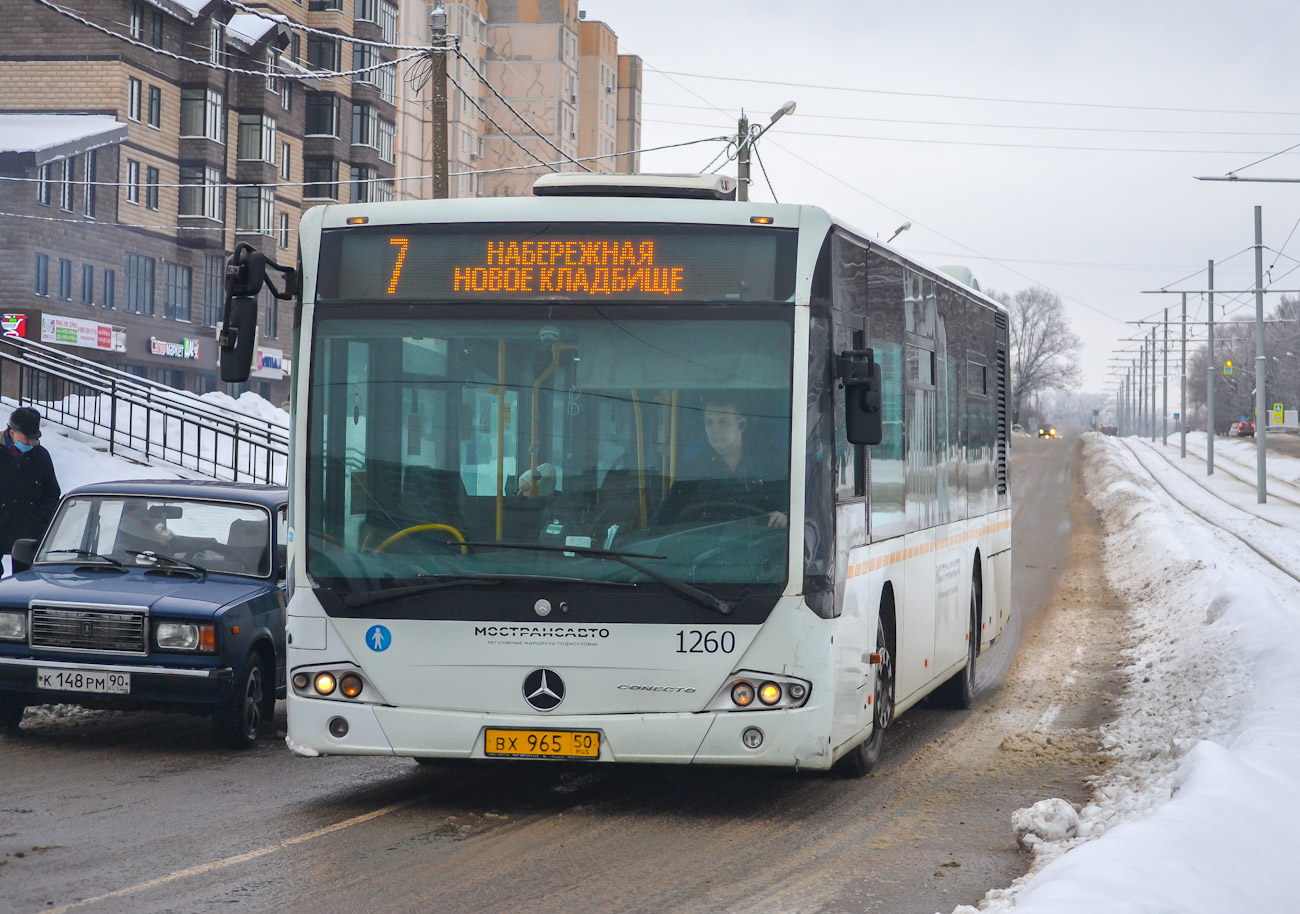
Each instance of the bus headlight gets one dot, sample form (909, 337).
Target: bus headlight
(773, 693)
(342, 682)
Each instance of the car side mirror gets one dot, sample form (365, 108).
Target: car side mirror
(24, 551)
(860, 376)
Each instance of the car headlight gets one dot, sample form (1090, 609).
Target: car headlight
(13, 626)
(185, 636)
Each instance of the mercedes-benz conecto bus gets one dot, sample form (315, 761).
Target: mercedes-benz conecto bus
(630, 472)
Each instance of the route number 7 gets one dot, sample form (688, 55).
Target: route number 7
(397, 267)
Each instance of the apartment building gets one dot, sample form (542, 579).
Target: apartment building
(552, 67)
(132, 163)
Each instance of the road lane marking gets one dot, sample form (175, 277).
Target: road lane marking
(203, 868)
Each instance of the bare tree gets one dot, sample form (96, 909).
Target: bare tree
(1044, 350)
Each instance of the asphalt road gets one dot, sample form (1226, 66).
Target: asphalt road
(107, 811)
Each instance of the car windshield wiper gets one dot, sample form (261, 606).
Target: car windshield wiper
(703, 597)
(159, 557)
(85, 554)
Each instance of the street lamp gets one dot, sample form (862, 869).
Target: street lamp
(898, 231)
(746, 137)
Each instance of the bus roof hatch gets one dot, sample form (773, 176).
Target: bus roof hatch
(694, 187)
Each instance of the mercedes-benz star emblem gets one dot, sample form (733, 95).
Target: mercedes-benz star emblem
(544, 689)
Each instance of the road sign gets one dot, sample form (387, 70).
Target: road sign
(1175, 415)
(1227, 368)
(1279, 413)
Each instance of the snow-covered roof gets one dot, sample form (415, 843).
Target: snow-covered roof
(289, 66)
(28, 140)
(190, 10)
(249, 30)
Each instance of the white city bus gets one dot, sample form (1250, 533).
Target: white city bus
(575, 476)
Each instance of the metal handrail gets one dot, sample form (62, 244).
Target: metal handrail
(141, 418)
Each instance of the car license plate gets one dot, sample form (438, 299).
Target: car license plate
(581, 744)
(84, 681)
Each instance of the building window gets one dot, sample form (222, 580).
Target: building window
(43, 184)
(87, 284)
(365, 125)
(322, 53)
(176, 293)
(320, 179)
(133, 92)
(88, 187)
(271, 326)
(137, 21)
(65, 279)
(217, 47)
(285, 160)
(151, 188)
(202, 114)
(69, 181)
(284, 230)
(201, 192)
(272, 83)
(214, 287)
(257, 139)
(110, 287)
(324, 6)
(382, 192)
(367, 11)
(295, 48)
(156, 30)
(42, 283)
(132, 181)
(286, 94)
(254, 209)
(155, 107)
(388, 21)
(387, 139)
(139, 284)
(322, 114)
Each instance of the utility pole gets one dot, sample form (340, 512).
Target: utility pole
(1182, 390)
(1164, 396)
(438, 40)
(742, 158)
(1142, 389)
(1209, 390)
(1152, 414)
(1261, 427)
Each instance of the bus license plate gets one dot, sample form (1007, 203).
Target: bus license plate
(81, 681)
(579, 744)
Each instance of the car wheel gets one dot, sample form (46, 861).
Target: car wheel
(237, 722)
(11, 712)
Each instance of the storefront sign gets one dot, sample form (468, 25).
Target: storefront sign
(72, 331)
(185, 349)
(269, 363)
(13, 326)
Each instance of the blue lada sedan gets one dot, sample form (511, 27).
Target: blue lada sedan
(159, 594)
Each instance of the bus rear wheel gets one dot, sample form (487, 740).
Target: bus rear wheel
(862, 758)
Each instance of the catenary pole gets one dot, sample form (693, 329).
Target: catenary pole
(1164, 396)
(1209, 384)
(1182, 389)
(1261, 427)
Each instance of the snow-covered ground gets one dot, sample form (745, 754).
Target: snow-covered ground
(1199, 811)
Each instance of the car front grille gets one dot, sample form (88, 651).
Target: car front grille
(116, 631)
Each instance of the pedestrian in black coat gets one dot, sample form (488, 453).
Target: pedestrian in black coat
(29, 490)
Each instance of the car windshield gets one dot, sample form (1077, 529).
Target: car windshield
(147, 531)
(659, 431)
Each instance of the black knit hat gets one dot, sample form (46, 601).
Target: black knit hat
(26, 420)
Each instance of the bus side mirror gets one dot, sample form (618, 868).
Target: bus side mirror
(237, 335)
(860, 375)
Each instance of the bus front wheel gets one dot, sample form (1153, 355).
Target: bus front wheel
(862, 758)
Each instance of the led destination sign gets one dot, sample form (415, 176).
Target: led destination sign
(556, 263)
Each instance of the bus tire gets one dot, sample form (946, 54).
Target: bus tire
(959, 691)
(862, 758)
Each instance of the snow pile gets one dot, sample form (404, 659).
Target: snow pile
(1197, 813)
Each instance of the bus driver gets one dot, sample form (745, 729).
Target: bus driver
(724, 473)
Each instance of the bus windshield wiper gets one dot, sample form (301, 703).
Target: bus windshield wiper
(384, 594)
(170, 559)
(703, 597)
(85, 554)
(367, 598)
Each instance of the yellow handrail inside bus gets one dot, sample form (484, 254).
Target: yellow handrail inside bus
(501, 435)
(640, 456)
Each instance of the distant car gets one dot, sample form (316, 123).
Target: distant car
(1241, 430)
(1017, 427)
(1110, 430)
(1046, 431)
(161, 594)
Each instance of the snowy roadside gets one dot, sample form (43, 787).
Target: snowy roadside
(1196, 813)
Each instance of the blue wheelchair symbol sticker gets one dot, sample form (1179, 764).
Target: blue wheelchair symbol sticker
(378, 638)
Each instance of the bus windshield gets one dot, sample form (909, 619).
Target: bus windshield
(447, 439)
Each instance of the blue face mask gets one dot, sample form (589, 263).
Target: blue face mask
(23, 447)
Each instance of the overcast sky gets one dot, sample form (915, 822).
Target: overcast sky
(1068, 144)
